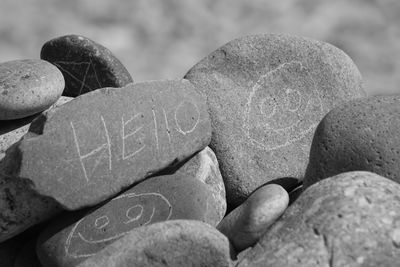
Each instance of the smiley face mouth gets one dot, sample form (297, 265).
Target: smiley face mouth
(90, 235)
(282, 107)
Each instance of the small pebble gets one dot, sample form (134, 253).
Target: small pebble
(249, 221)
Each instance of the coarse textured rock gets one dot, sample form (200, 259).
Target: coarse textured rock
(108, 139)
(171, 243)
(27, 87)
(266, 95)
(248, 222)
(351, 219)
(85, 64)
(362, 134)
(193, 193)
(12, 130)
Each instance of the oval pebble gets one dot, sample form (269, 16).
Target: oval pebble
(171, 243)
(362, 135)
(27, 87)
(249, 221)
(351, 219)
(266, 95)
(85, 64)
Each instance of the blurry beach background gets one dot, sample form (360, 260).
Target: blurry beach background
(162, 39)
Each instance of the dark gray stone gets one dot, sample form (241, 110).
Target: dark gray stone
(351, 219)
(171, 243)
(27, 87)
(266, 95)
(91, 148)
(85, 64)
(359, 135)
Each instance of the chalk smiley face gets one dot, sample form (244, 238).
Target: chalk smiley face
(120, 215)
(283, 107)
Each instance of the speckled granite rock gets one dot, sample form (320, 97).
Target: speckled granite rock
(266, 95)
(171, 243)
(27, 87)
(351, 219)
(85, 64)
(106, 140)
(248, 222)
(360, 135)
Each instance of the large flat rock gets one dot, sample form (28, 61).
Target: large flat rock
(94, 146)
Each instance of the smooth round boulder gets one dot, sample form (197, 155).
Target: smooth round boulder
(248, 222)
(351, 219)
(85, 64)
(27, 87)
(265, 95)
(362, 135)
(171, 243)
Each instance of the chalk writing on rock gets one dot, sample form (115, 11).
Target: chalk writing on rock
(138, 133)
(281, 107)
(79, 72)
(98, 229)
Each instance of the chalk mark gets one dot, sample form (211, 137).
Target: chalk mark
(301, 134)
(155, 129)
(73, 233)
(179, 128)
(81, 81)
(124, 137)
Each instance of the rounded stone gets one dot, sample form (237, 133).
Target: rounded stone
(27, 87)
(351, 219)
(171, 243)
(192, 193)
(85, 64)
(266, 95)
(248, 222)
(362, 134)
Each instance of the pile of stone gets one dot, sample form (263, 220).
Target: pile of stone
(267, 153)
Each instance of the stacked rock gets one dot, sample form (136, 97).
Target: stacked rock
(198, 171)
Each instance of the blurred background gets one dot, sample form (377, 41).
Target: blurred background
(162, 39)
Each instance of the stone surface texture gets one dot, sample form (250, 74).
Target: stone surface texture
(171, 243)
(248, 222)
(85, 64)
(91, 148)
(266, 95)
(27, 87)
(351, 219)
(359, 135)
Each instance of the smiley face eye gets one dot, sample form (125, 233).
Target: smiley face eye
(101, 222)
(134, 213)
(293, 99)
(267, 107)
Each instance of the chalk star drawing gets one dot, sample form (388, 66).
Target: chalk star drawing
(74, 71)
